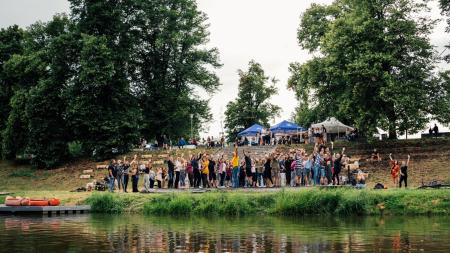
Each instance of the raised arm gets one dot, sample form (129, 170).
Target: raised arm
(390, 156)
(407, 163)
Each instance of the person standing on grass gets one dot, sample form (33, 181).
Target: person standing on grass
(268, 172)
(308, 168)
(135, 177)
(317, 166)
(287, 167)
(205, 171)
(222, 171)
(282, 170)
(235, 165)
(196, 169)
(395, 170)
(404, 173)
(178, 165)
(126, 177)
(159, 177)
(229, 175)
(242, 177)
(183, 173)
(171, 171)
(111, 174)
(119, 174)
(190, 173)
(212, 172)
(328, 166)
(254, 179)
(275, 165)
(248, 166)
(299, 167)
(152, 178)
(337, 166)
(147, 177)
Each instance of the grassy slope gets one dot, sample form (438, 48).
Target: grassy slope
(429, 161)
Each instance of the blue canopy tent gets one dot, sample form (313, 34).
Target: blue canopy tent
(286, 127)
(251, 131)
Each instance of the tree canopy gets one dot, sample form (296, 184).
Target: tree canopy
(103, 76)
(373, 65)
(252, 103)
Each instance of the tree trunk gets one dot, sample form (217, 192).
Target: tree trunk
(392, 130)
(392, 118)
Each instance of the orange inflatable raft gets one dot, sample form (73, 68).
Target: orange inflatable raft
(19, 201)
(54, 202)
(16, 201)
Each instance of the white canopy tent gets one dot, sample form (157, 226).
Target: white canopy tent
(333, 126)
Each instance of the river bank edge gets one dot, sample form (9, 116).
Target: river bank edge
(282, 202)
(342, 202)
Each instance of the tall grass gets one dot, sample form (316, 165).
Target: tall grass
(284, 203)
(108, 203)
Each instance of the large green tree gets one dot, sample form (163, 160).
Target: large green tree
(103, 76)
(442, 107)
(101, 111)
(38, 76)
(372, 67)
(252, 104)
(162, 43)
(11, 43)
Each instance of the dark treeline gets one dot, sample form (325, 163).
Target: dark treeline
(103, 76)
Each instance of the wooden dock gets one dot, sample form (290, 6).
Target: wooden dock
(44, 210)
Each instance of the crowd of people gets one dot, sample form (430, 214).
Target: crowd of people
(166, 143)
(293, 168)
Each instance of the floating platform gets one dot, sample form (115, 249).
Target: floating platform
(44, 210)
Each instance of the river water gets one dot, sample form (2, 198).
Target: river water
(133, 233)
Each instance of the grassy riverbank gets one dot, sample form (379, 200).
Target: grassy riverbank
(282, 203)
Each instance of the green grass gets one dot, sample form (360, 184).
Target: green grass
(23, 173)
(340, 202)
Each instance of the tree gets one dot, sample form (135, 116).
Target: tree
(441, 108)
(11, 43)
(100, 109)
(15, 134)
(103, 76)
(373, 65)
(162, 43)
(252, 104)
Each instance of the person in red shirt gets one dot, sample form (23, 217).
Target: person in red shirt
(395, 170)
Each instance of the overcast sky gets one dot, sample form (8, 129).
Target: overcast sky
(242, 30)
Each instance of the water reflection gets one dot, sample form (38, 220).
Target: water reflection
(127, 233)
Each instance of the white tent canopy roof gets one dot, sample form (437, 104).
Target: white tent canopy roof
(332, 125)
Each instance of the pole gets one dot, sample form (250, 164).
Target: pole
(192, 137)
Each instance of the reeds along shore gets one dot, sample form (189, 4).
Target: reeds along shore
(282, 203)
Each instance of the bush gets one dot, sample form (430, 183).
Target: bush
(107, 203)
(75, 149)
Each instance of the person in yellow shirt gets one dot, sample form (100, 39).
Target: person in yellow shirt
(235, 164)
(205, 170)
